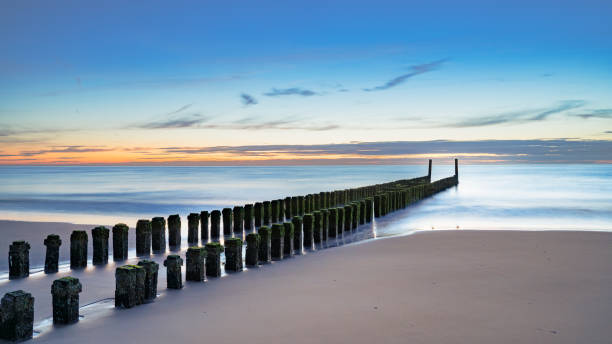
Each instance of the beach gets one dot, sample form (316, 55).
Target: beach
(428, 287)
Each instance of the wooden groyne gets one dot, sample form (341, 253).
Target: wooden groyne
(276, 230)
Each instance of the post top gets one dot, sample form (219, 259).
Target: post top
(233, 242)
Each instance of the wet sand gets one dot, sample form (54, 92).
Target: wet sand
(430, 287)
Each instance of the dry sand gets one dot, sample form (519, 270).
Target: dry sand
(431, 287)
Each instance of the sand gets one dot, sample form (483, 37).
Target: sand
(430, 287)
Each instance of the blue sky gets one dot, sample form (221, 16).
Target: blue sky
(153, 75)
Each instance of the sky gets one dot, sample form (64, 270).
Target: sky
(296, 82)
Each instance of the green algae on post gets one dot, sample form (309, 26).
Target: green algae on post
(99, 237)
(174, 273)
(252, 249)
(195, 261)
(277, 241)
(289, 239)
(17, 310)
(151, 269)
(233, 254)
(213, 259)
(130, 285)
(120, 241)
(65, 300)
(265, 245)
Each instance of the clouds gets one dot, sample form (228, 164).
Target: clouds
(276, 92)
(522, 116)
(247, 99)
(66, 149)
(599, 113)
(416, 70)
(189, 121)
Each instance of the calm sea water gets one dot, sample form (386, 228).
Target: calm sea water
(567, 197)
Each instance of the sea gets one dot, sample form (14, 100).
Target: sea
(488, 197)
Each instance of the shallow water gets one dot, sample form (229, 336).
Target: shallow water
(572, 197)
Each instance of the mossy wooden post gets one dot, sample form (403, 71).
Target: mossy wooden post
(99, 237)
(274, 211)
(456, 171)
(317, 227)
(356, 214)
(267, 216)
(324, 224)
(233, 254)
(238, 219)
(281, 210)
(174, 231)
(248, 217)
(196, 267)
(258, 214)
(53, 243)
(316, 199)
(215, 224)
(341, 216)
(287, 207)
(265, 245)
(120, 242)
(78, 249)
(151, 269)
(129, 286)
(294, 207)
(213, 259)
(289, 239)
(307, 204)
(323, 200)
(308, 231)
(429, 172)
(368, 214)
(204, 216)
(348, 217)
(65, 295)
(174, 273)
(362, 211)
(301, 205)
(333, 222)
(158, 234)
(143, 238)
(193, 227)
(19, 259)
(17, 316)
(252, 249)
(377, 206)
(227, 221)
(277, 241)
(298, 234)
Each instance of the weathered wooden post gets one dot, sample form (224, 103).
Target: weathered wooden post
(238, 213)
(267, 217)
(294, 206)
(324, 224)
(215, 224)
(274, 211)
(277, 241)
(65, 292)
(120, 242)
(196, 267)
(19, 259)
(362, 211)
(307, 204)
(317, 227)
(301, 205)
(233, 254)
(99, 237)
(227, 221)
(289, 240)
(143, 238)
(174, 274)
(204, 216)
(258, 210)
(323, 197)
(281, 210)
(174, 231)
(355, 220)
(158, 234)
(53, 243)
(308, 231)
(213, 259)
(429, 172)
(348, 217)
(333, 222)
(340, 221)
(297, 234)
(248, 216)
(151, 269)
(78, 249)
(456, 171)
(377, 206)
(252, 249)
(265, 245)
(17, 316)
(317, 202)
(369, 204)
(287, 207)
(129, 286)
(193, 227)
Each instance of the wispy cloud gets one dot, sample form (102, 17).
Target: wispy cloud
(599, 113)
(189, 121)
(416, 70)
(181, 109)
(519, 116)
(608, 132)
(66, 149)
(247, 99)
(275, 92)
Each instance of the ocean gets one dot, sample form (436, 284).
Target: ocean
(515, 197)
